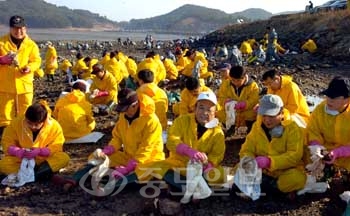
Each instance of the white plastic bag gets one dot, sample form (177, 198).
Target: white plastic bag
(196, 186)
(248, 177)
(24, 175)
(311, 186)
(230, 114)
(101, 165)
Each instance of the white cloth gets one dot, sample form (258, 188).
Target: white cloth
(345, 196)
(315, 168)
(92, 137)
(24, 175)
(248, 177)
(230, 114)
(196, 186)
(311, 186)
(101, 165)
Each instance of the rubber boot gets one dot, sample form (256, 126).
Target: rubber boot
(43, 172)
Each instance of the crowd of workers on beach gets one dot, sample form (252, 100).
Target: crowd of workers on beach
(277, 128)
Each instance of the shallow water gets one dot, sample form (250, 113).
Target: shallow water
(63, 34)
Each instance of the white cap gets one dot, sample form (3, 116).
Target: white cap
(210, 96)
(270, 105)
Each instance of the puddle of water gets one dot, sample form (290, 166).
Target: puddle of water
(313, 101)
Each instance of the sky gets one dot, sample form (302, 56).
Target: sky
(124, 10)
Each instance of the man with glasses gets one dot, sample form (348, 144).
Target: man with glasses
(19, 59)
(292, 97)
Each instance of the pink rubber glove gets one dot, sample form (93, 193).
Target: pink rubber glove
(208, 167)
(241, 105)
(102, 93)
(263, 162)
(108, 150)
(32, 153)
(121, 171)
(6, 60)
(16, 151)
(342, 151)
(194, 155)
(44, 152)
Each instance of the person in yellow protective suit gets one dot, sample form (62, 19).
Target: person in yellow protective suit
(182, 61)
(116, 68)
(51, 64)
(198, 137)
(292, 97)
(171, 70)
(79, 67)
(136, 138)
(246, 48)
(277, 146)
(104, 87)
(105, 58)
(74, 113)
(39, 73)
(19, 59)
(89, 62)
(241, 88)
(189, 96)
(152, 62)
(328, 125)
(66, 68)
(148, 87)
(34, 135)
(198, 66)
(131, 66)
(309, 46)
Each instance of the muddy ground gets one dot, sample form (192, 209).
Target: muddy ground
(47, 199)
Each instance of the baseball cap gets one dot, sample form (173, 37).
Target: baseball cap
(210, 96)
(270, 105)
(96, 68)
(126, 97)
(17, 21)
(339, 86)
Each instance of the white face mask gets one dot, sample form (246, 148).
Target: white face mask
(277, 131)
(330, 112)
(213, 123)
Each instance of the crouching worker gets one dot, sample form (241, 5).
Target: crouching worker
(37, 136)
(277, 146)
(136, 140)
(195, 137)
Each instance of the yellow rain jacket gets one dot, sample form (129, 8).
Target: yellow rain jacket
(50, 136)
(330, 131)
(13, 81)
(141, 140)
(188, 101)
(39, 73)
(309, 46)
(184, 130)
(150, 64)
(79, 67)
(131, 66)
(114, 66)
(292, 97)
(160, 99)
(74, 114)
(65, 65)
(87, 73)
(171, 70)
(181, 63)
(107, 83)
(246, 48)
(122, 57)
(51, 60)
(16, 90)
(285, 153)
(105, 59)
(203, 71)
(249, 94)
(161, 71)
